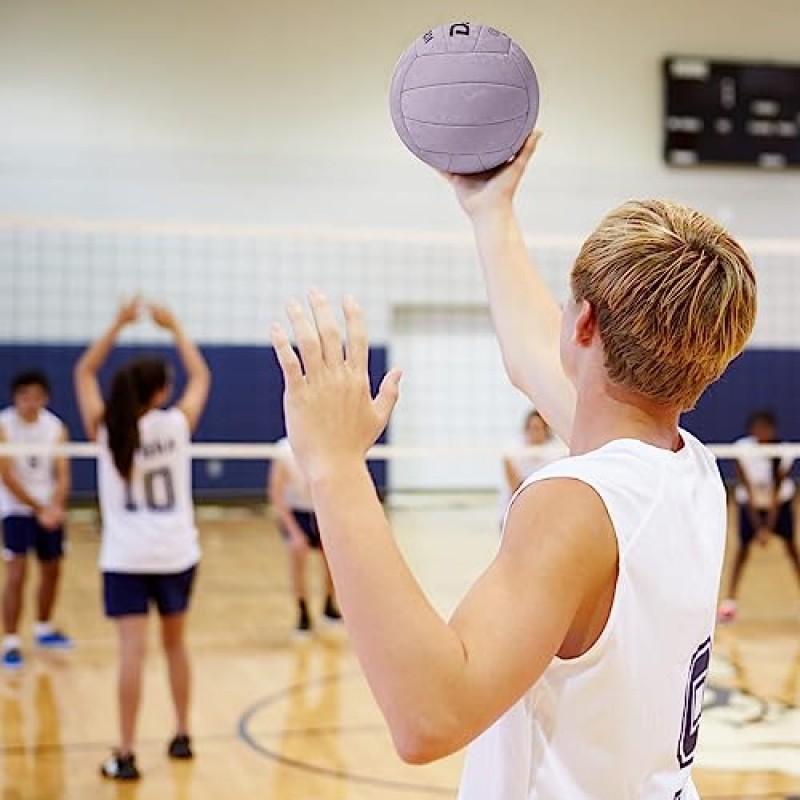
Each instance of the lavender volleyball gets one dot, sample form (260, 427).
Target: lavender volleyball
(464, 97)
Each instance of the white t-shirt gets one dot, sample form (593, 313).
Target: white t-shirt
(621, 721)
(148, 523)
(525, 463)
(34, 471)
(296, 492)
(758, 470)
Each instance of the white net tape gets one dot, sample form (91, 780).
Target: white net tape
(266, 452)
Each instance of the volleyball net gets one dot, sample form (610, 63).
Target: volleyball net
(61, 281)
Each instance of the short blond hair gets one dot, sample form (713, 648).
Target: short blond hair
(675, 298)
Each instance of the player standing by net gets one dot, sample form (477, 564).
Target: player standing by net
(519, 464)
(290, 498)
(149, 548)
(764, 494)
(576, 662)
(33, 497)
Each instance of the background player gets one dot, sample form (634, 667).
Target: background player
(33, 497)
(290, 498)
(764, 495)
(579, 611)
(517, 466)
(149, 548)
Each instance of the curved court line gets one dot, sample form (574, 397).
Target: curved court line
(245, 734)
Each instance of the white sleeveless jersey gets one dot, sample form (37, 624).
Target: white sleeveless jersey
(759, 473)
(34, 471)
(526, 463)
(297, 493)
(620, 722)
(148, 523)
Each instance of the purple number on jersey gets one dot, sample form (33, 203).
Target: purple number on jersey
(693, 703)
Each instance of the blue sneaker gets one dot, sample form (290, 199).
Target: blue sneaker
(55, 640)
(12, 658)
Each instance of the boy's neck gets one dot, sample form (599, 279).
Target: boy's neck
(606, 413)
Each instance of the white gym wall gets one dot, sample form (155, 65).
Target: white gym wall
(267, 113)
(276, 111)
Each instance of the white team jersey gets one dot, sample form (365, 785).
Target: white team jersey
(297, 493)
(34, 471)
(148, 523)
(526, 463)
(620, 722)
(759, 472)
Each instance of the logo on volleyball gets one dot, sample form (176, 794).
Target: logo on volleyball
(742, 731)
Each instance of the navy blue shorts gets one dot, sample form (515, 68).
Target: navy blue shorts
(784, 523)
(307, 520)
(127, 593)
(21, 534)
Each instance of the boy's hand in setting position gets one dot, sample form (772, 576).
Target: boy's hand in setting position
(331, 417)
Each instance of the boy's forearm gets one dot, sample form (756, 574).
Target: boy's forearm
(392, 626)
(526, 317)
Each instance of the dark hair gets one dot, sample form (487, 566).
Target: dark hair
(763, 415)
(132, 389)
(30, 377)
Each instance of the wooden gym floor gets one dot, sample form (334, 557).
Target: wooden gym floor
(274, 718)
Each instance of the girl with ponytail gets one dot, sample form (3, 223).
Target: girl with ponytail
(132, 388)
(149, 549)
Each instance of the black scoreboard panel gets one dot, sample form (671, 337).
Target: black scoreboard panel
(729, 112)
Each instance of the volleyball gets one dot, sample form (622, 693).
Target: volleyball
(464, 97)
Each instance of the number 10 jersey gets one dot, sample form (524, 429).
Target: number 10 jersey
(148, 521)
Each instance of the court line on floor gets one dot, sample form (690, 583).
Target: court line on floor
(246, 735)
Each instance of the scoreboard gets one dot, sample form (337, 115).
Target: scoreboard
(731, 112)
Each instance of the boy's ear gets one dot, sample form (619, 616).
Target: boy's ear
(585, 324)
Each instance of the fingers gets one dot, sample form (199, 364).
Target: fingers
(319, 339)
(529, 148)
(307, 338)
(327, 329)
(129, 309)
(448, 176)
(287, 358)
(388, 393)
(357, 346)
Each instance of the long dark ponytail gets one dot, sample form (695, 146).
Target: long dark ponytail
(132, 389)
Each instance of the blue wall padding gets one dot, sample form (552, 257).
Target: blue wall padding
(245, 406)
(245, 402)
(758, 379)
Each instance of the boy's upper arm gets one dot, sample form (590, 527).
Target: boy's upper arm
(559, 548)
(549, 389)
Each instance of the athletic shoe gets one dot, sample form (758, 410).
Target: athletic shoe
(120, 768)
(180, 747)
(55, 640)
(12, 658)
(331, 612)
(303, 628)
(727, 611)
